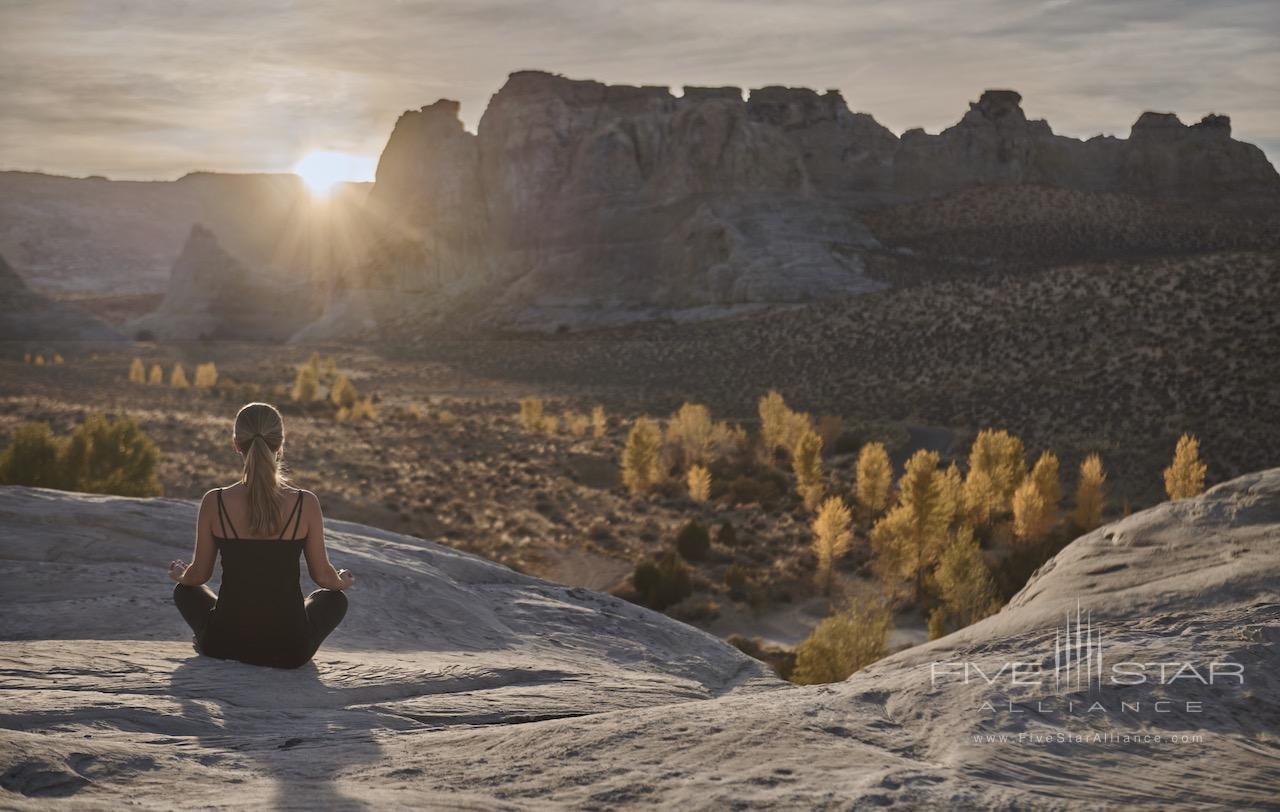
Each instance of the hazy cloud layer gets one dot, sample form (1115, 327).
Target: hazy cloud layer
(154, 89)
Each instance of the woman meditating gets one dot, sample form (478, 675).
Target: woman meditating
(260, 617)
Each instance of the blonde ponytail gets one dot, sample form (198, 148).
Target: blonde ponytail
(259, 436)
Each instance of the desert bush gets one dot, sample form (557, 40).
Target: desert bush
(640, 457)
(137, 371)
(832, 536)
(726, 536)
(305, 385)
(34, 457)
(343, 393)
(550, 425)
(1031, 517)
(873, 478)
(178, 378)
(206, 375)
(1184, 478)
(965, 586)
(909, 538)
(531, 413)
(693, 542)
(1001, 457)
(111, 456)
(737, 580)
(576, 424)
(764, 488)
(699, 481)
(445, 417)
(661, 582)
(851, 639)
(599, 424)
(1089, 493)
(156, 376)
(806, 462)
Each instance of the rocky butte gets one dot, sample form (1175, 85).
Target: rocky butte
(582, 203)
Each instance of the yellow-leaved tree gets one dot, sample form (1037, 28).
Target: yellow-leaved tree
(699, 481)
(1089, 493)
(832, 535)
(1045, 474)
(206, 376)
(156, 376)
(1030, 513)
(178, 378)
(1185, 477)
(531, 413)
(874, 478)
(137, 371)
(773, 416)
(689, 435)
(908, 539)
(305, 384)
(806, 461)
(343, 393)
(965, 585)
(641, 455)
(1001, 457)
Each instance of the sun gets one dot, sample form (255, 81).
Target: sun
(322, 170)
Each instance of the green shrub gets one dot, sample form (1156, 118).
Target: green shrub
(112, 456)
(726, 536)
(663, 582)
(693, 542)
(100, 456)
(34, 457)
(851, 639)
(737, 579)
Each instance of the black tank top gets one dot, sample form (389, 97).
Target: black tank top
(259, 617)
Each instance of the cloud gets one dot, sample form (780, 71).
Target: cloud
(141, 89)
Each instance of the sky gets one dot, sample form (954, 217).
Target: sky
(156, 89)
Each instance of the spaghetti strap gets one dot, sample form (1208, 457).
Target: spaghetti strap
(224, 518)
(295, 518)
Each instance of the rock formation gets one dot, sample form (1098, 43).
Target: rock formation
(454, 682)
(581, 203)
(28, 316)
(577, 203)
(212, 295)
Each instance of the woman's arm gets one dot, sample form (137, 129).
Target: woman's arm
(206, 552)
(322, 572)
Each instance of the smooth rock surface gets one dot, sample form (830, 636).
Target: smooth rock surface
(455, 683)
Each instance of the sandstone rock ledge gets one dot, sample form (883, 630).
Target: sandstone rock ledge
(456, 683)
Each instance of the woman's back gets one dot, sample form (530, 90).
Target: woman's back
(259, 617)
(259, 528)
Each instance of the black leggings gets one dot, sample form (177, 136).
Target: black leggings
(325, 609)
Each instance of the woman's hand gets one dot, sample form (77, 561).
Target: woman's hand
(176, 570)
(345, 579)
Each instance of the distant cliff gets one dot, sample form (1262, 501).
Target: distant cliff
(579, 202)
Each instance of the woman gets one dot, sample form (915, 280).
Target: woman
(260, 617)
